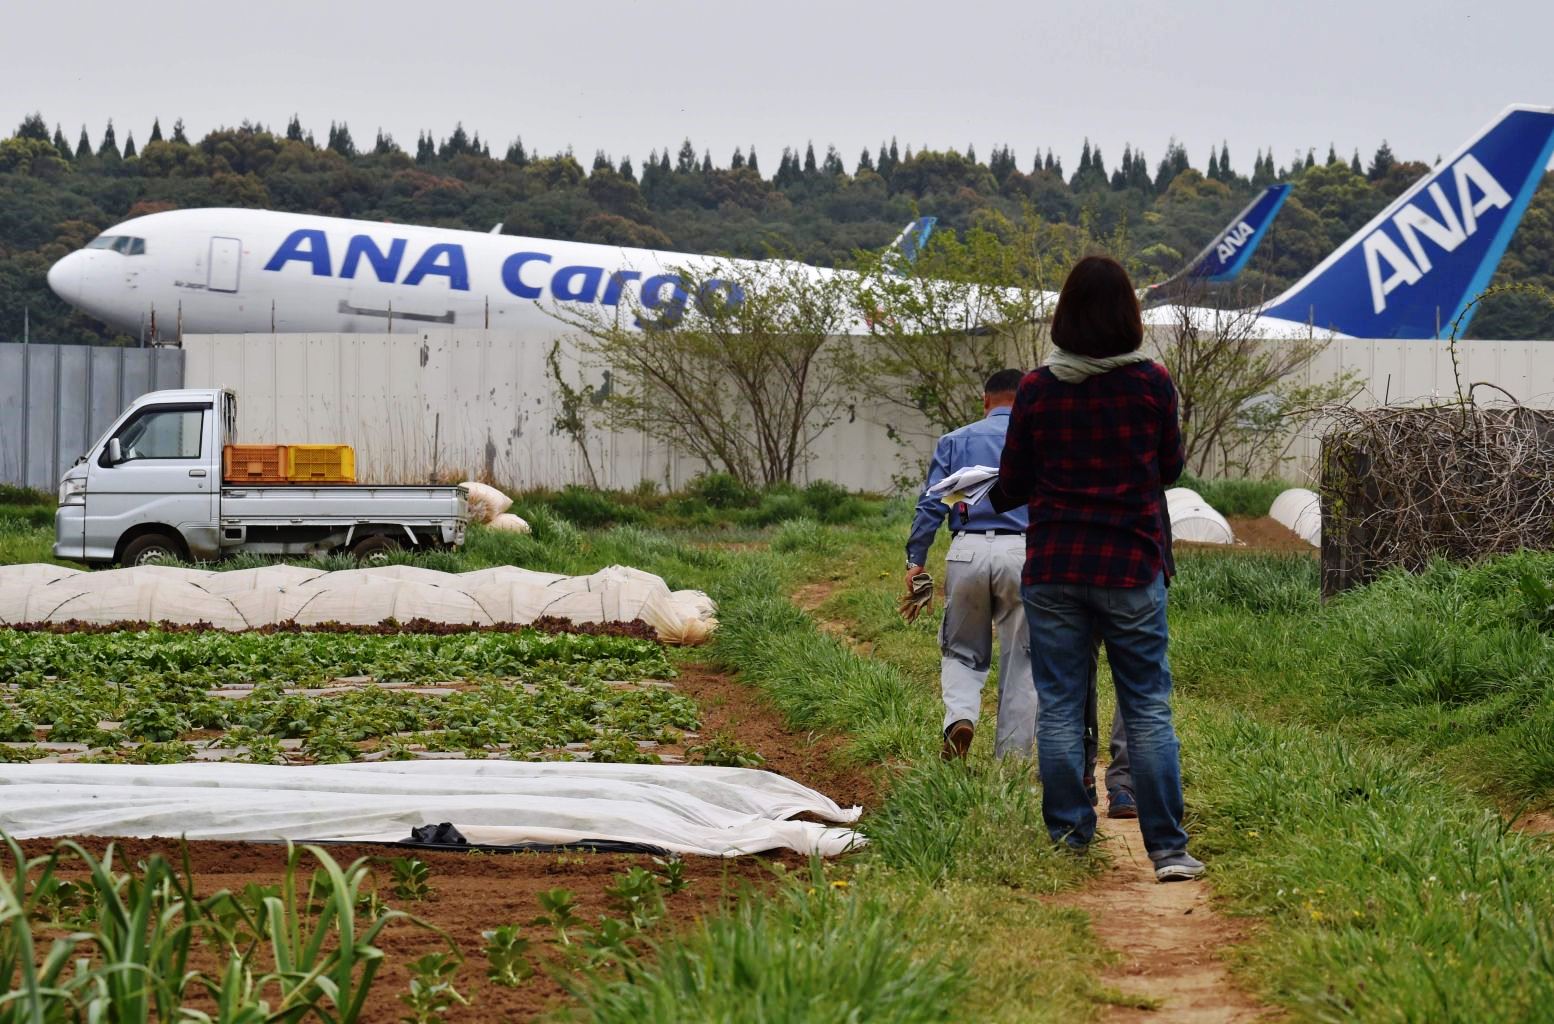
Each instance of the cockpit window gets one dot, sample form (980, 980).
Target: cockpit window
(125, 244)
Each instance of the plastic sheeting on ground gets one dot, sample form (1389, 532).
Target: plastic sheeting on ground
(1194, 520)
(717, 812)
(1300, 510)
(251, 598)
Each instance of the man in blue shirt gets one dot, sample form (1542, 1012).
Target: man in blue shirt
(981, 586)
(982, 597)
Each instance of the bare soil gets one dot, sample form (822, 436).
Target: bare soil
(1169, 937)
(474, 892)
(1262, 534)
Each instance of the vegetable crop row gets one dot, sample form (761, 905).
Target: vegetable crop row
(214, 658)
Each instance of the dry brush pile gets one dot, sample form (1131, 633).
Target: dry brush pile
(1403, 486)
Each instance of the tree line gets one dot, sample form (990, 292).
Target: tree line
(815, 207)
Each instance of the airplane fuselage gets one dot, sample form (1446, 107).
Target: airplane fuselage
(242, 271)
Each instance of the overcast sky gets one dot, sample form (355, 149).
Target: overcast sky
(630, 77)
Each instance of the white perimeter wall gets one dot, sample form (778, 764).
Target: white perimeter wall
(475, 402)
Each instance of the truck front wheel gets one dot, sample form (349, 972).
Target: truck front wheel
(152, 549)
(374, 550)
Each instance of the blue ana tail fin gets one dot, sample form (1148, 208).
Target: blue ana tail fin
(913, 238)
(1227, 255)
(1414, 269)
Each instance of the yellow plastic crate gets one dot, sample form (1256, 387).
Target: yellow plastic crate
(254, 463)
(320, 463)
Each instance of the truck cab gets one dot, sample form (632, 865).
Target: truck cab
(150, 489)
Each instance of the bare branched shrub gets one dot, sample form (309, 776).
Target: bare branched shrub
(967, 307)
(1242, 402)
(734, 364)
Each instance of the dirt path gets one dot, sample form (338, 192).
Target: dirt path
(1170, 938)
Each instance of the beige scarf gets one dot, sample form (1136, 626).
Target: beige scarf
(1074, 369)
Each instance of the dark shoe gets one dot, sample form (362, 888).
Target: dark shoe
(1178, 867)
(1121, 805)
(957, 740)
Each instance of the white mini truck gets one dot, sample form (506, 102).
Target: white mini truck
(151, 489)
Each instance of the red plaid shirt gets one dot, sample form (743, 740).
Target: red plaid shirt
(1093, 460)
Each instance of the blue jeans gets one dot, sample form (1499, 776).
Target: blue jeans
(1063, 619)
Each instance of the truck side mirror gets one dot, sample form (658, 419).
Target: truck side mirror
(115, 452)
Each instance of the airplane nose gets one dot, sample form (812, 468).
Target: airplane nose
(65, 278)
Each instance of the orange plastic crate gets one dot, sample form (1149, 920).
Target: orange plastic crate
(254, 463)
(320, 463)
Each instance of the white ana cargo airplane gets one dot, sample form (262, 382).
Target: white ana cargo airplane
(232, 271)
(1407, 274)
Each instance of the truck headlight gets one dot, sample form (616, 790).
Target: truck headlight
(72, 491)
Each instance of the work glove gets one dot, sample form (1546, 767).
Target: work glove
(917, 599)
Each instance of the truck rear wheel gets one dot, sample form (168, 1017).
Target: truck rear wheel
(374, 550)
(152, 549)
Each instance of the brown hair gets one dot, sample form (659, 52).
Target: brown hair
(1098, 312)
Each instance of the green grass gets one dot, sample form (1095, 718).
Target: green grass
(810, 952)
(1249, 498)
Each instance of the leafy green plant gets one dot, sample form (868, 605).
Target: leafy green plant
(608, 942)
(619, 748)
(412, 878)
(558, 913)
(672, 874)
(431, 991)
(636, 894)
(507, 959)
(723, 748)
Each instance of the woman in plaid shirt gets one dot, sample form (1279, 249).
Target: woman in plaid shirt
(1093, 442)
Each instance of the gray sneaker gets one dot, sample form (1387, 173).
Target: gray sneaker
(1180, 866)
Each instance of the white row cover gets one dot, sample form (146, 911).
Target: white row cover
(248, 598)
(715, 812)
(1195, 520)
(1301, 511)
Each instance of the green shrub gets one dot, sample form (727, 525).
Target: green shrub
(589, 508)
(720, 490)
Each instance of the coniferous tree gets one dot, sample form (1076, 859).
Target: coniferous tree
(706, 161)
(882, 162)
(753, 163)
(602, 162)
(178, 132)
(61, 145)
(810, 169)
(456, 144)
(1381, 163)
(1097, 165)
(1084, 159)
(1001, 163)
(1213, 172)
(516, 154)
(865, 162)
(1057, 168)
(33, 127)
(1225, 173)
(1355, 165)
(832, 164)
(784, 174)
(156, 129)
(971, 152)
(83, 146)
(627, 171)
(1173, 163)
(1138, 178)
(650, 173)
(736, 161)
(1049, 165)
(108, 149)
(383, 144)
(1332, 154)
(294, 129)
(663, 160)
(1120, 174)
(425, 148)
(129, 145)
(895, 157)
(340, 140)
(1311, 157)
(685, 160)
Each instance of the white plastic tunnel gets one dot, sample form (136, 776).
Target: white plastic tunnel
(1300, 511)
(1194, 520)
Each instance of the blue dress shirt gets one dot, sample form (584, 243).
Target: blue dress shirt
(976, 444)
